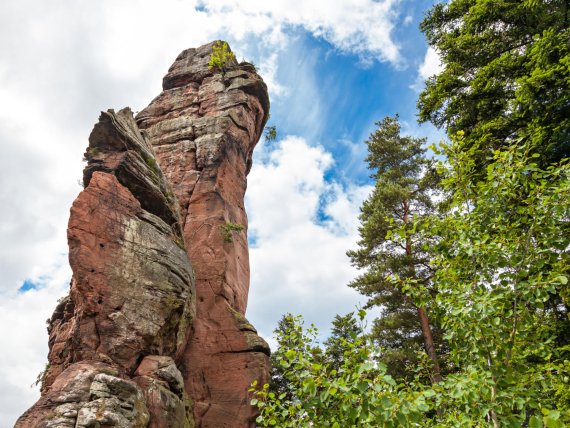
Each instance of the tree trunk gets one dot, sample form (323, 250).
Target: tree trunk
(429, 345)
(424, 320)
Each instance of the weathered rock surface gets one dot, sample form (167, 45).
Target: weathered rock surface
(203, 128)
(88, 395)
(163, 387)
(132, 293)
(138, 342)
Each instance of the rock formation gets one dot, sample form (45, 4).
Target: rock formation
(203, 127)
(139, 342)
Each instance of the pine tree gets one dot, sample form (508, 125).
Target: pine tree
(345, 332)
(404, 183)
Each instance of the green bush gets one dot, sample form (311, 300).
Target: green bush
(221, 57)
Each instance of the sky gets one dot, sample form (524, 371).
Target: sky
(333, 68)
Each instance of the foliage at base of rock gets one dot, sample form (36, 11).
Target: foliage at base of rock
(361, 394)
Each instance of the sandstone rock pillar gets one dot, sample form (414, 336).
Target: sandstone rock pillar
(144, 338)
(203, 128)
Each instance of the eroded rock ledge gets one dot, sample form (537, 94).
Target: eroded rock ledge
(138, 341)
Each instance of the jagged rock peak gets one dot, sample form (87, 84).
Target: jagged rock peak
(132, 293)
(144, 338)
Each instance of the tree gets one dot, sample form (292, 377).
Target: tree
(492, 266)
(502, 248)
(506, 75)
(361, 393)
(271, 133)
(390, 248)
(287, 333)
(502, 259)
(221, 58)
(345, 331)
(358, 393)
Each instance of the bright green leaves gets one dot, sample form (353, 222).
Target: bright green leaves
(227, 230)
(502, 259)
(221, 58)
(358, 393)
(548, 419)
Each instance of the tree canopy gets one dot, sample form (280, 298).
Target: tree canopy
(506, 74)
(389, 248)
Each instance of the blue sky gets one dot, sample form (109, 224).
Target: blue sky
(333, 69)
(347, 94)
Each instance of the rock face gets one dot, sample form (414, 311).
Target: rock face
(203, 128)
(132, 293)
(138, 341)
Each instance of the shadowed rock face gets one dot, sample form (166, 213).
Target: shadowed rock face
(203, 128)
(138, 341)
(132, 292)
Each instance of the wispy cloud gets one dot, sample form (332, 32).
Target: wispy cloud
(356, 26)
(303, 225)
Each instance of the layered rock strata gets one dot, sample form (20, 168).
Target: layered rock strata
(203, 128)
(138, 342)
(132, 294)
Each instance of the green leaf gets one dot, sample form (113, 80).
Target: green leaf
(535, 422)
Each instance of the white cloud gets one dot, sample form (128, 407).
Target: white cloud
(430, 66)
(268, 69)
(24, 339)
(356, 26)
(302, 226)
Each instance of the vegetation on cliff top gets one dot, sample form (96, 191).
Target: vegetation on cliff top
(221, 57)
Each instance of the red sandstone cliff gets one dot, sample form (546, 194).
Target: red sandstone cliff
(138, 342)
(203, 128)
